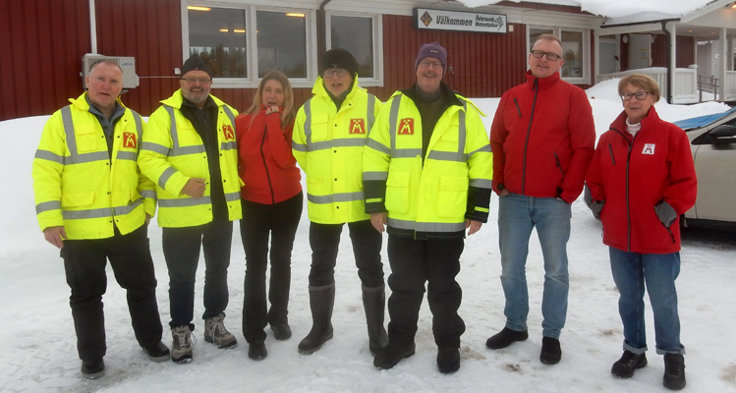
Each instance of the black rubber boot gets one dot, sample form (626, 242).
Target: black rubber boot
(374, 302)
(321, 301)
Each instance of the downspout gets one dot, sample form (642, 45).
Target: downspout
(92, 27)
(669, 60)
(322, 28)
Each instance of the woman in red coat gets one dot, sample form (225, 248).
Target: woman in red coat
(641, 179)
(272, 204)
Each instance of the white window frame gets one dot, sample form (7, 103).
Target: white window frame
(377, 25)
(557, 31)
(252, 79)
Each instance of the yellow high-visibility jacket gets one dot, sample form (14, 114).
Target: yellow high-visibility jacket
(78, 185)
(328, 144)
(437, 192)
(173, 152)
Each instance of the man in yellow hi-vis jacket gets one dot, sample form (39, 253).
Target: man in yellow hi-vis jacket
(94, 205)
(329, 133)
(427, 170)
(189, 151)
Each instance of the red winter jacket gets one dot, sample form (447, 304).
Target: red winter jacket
(542, 139)
(265, 161)
(633, 174)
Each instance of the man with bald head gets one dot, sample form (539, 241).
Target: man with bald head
(94, 205)
(542, 139)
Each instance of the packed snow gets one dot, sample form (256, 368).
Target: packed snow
(38, 345)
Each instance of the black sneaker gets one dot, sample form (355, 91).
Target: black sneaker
(392, 354)
(257, 351)
(93, 369)
(281, 331)
(674, 371)
(506, 337)
(448, 360)
(551, 352)
(158, 352)
(629, 362)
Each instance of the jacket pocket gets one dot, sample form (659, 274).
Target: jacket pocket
(87, 140)
(397, 192)
(321, 129)
(77, 199)
(453, 196)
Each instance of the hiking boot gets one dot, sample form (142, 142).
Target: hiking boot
(629, 362)
(216, 333)
(551, 352)
(392, 354)
(257, 350)
(93, 369)
(506, 337)
(181, 346)
(158, 352)
(281, 331)
(448, 360)
(674, 371)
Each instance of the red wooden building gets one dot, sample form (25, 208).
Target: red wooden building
(44, 42)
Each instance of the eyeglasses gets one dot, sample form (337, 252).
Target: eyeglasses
(550, 55)
(202, 81)
(640, 95)
(332, 72)
(430, 64)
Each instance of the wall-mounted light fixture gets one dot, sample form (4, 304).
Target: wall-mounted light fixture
(295, 14)
(198, 8)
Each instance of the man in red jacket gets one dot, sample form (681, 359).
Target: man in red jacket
(542, 139)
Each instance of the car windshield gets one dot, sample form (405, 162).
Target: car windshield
(702, 121)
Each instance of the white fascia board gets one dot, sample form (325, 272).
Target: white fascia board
(717, 6)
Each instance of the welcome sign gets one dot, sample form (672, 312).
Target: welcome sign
(427, 19)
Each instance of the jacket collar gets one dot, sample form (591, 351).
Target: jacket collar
(176, 100)
(619, 124)
(543, 82)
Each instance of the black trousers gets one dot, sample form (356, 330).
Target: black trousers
(414, 262)
(181, 249)
(130, 258)
(280, 221)
(324, 240)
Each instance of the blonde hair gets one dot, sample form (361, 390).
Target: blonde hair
(641, 81)
(288, 113)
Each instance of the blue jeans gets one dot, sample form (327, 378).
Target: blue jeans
(517, 216)
(631, 271)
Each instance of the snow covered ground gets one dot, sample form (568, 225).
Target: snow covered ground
(37, 342)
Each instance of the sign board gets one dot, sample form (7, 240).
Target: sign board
(427, 19)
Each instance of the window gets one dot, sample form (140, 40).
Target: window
(218, 35)
(575, 44)
(282, 43)
(361, 36)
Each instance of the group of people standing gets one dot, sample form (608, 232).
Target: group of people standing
(419, 167)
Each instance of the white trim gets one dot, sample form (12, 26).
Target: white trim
(377, 27)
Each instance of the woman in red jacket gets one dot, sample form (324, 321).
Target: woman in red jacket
(640, 181)
(272, 204)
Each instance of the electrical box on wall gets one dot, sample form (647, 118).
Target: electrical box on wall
(130, 78)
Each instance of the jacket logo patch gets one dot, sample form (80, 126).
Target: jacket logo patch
(648, 149)
(129, 140)
(227, 130)
(406, 127)
(357, 126)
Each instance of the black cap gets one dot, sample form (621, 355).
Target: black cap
(338, 58)
(195, 63)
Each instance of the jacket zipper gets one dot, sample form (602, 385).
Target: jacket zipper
(265, 166)
(528, 133)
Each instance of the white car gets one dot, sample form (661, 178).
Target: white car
(713, 144)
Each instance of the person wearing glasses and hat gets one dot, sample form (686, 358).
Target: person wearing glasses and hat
(329, 133)
(427, 171)
(542, 138)
(189, 151)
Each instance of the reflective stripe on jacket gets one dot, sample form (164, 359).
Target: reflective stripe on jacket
(328, 144)
(78, 185)
(173, 152)
(430, 195)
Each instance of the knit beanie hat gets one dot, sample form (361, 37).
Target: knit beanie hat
(195, 63)
(338, 58)
(433, 49)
